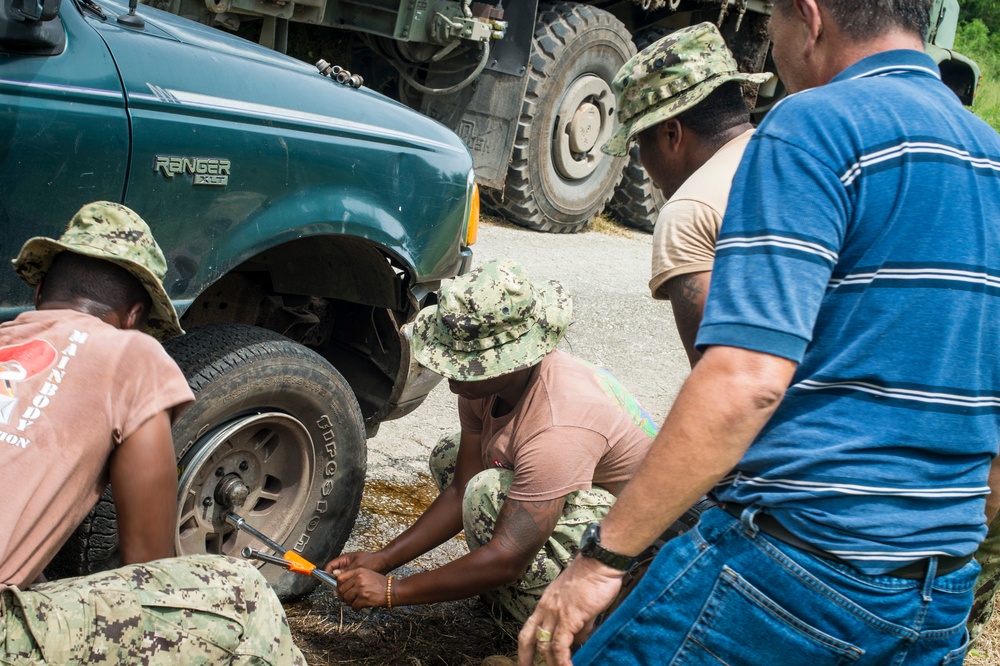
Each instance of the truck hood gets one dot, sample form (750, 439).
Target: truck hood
(317, 94)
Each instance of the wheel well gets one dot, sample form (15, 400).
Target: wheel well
(342, 297)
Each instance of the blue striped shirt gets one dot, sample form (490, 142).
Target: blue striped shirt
(862, 240)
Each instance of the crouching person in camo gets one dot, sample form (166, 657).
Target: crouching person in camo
(547, 442)
(88, 396)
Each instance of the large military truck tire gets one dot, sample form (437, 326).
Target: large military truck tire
(274, 425)
(637, 201)
(558, 178)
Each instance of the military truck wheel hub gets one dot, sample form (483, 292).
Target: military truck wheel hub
(584, 121)
(260, 466)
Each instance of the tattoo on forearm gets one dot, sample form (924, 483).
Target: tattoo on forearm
(688, 295)
(523, 527)
(687, 298)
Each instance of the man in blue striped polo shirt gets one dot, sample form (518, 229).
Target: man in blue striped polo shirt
(846, 406)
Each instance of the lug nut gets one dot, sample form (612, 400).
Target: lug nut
(207, 501)
(244, 466)
(219, 472)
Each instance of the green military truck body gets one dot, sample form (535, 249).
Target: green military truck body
(527, 84)
(304, 223)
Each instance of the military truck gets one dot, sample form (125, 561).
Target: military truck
(304, 223)
(527, 84)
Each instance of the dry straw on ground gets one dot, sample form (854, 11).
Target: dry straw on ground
(602, 224)
(458, 633)
(987, 650)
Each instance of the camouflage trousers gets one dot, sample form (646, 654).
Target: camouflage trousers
(204, 609)
(485, 495)
(988, 556)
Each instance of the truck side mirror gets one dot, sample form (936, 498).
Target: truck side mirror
(34, 11)
(31, 27)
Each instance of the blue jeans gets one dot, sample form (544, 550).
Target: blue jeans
(723, 593)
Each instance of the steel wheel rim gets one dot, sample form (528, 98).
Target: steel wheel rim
(272, 454)
(585, 120)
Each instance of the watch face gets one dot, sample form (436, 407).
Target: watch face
(591, 537)
(590, 546)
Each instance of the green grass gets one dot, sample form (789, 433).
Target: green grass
(987, 104)
(975, 41)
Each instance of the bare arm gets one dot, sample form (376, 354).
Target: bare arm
(687, 294)
(439, 522)
(728, 398)
(521, 530)
(144, 482)
(993, 499)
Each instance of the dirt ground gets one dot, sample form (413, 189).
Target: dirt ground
(457, 633)
(616, 325)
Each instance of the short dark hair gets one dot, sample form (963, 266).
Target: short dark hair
(863, 19)
(75, 276)
(722, 110)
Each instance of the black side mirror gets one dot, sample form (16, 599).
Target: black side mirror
(34, 11)
(31, 27)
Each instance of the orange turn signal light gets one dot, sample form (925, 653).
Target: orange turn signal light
(472, 225)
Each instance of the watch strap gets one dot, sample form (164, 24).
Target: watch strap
(590, 546)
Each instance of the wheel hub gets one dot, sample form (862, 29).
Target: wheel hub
(585, 120)
(231, 492)
(260, 466)
(584, 129)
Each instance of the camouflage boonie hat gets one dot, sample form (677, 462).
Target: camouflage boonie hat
(490, 322)
(669, 77)
(112, 232)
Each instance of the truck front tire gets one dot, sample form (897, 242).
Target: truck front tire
(278, 418)
(269, 414)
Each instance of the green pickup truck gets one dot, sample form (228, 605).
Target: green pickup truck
(305, 222)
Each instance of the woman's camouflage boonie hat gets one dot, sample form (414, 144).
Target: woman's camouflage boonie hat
(109, 231)
(490, 322)
(669, 77)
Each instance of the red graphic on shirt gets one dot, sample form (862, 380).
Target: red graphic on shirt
(24, 361)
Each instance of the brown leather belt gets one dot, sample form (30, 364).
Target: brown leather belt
(914, 570)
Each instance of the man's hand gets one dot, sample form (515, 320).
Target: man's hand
(362, 588)
(567, 611)
(357, 560)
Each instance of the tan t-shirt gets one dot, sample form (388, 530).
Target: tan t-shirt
(688, 224)
(574, 427)
(71, 389)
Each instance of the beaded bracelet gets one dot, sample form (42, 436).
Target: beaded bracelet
(388, 592)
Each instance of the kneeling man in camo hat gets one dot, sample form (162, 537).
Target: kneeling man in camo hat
(88, 396)
(547, 442)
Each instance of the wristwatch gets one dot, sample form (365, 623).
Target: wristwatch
(590, 546)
